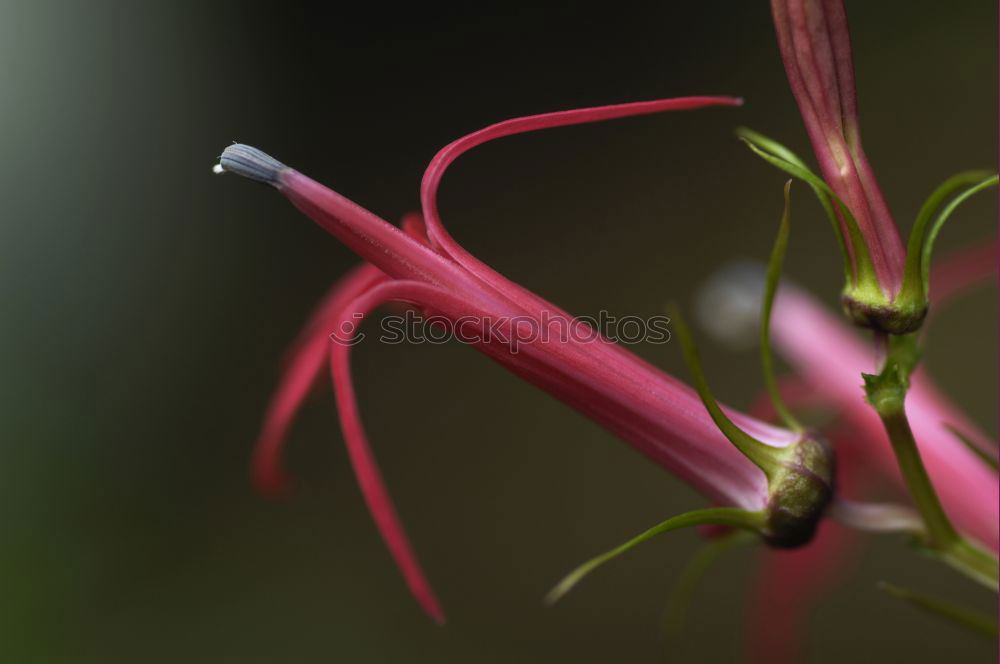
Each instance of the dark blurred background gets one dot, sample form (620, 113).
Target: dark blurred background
(148, 304)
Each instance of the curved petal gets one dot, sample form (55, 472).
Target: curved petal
(306, 359)
(365, 467)
(451, 152)
(413, 225)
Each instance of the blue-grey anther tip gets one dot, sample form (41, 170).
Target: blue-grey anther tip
(250, 163)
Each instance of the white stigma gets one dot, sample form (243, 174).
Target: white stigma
(250, 163)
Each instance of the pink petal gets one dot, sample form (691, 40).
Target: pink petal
(387, 247)
(657, 414)
(306, 359)
(436, 169)
(831, 357)
(789, 582)
(961, 270)
(413, 225)
(365, 467)
(816, 48)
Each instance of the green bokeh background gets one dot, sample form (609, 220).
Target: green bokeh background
(147, 304)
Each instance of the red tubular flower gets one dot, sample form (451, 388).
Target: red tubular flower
(788, 482)
(816, 48)
(887, 286)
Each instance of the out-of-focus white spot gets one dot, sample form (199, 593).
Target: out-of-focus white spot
(728, 304)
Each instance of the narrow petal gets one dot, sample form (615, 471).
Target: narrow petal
(305, 362)
(436, 169)
(413, 225)
(365, 467)
(395, 252)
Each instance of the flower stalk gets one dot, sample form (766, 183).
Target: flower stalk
(886, 393)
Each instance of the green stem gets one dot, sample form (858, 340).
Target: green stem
(940, 532)
(886, 392)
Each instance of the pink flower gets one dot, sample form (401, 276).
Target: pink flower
(887, 285)
(423, 266)
(816, 48)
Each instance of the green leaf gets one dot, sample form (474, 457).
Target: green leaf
(682, 595)
(720, 516)
(915, 275)
(978, 622)
(984, 456)
(762, 455)
(773, 276)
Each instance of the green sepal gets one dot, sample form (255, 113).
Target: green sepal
(970, 559)
(984, 456)
(916, 277)
(943, 217)
(860, 276)
(683, 592)
(760, 454)
(973, 620)
(774, 265)
(732, 517)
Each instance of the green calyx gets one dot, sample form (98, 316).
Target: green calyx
(864, 300)
(869, 307)
(800, 476)
(800, 492)
(801, 482)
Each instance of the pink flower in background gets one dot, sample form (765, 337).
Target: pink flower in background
(422, 266)
(830, 357)
(827, 359)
